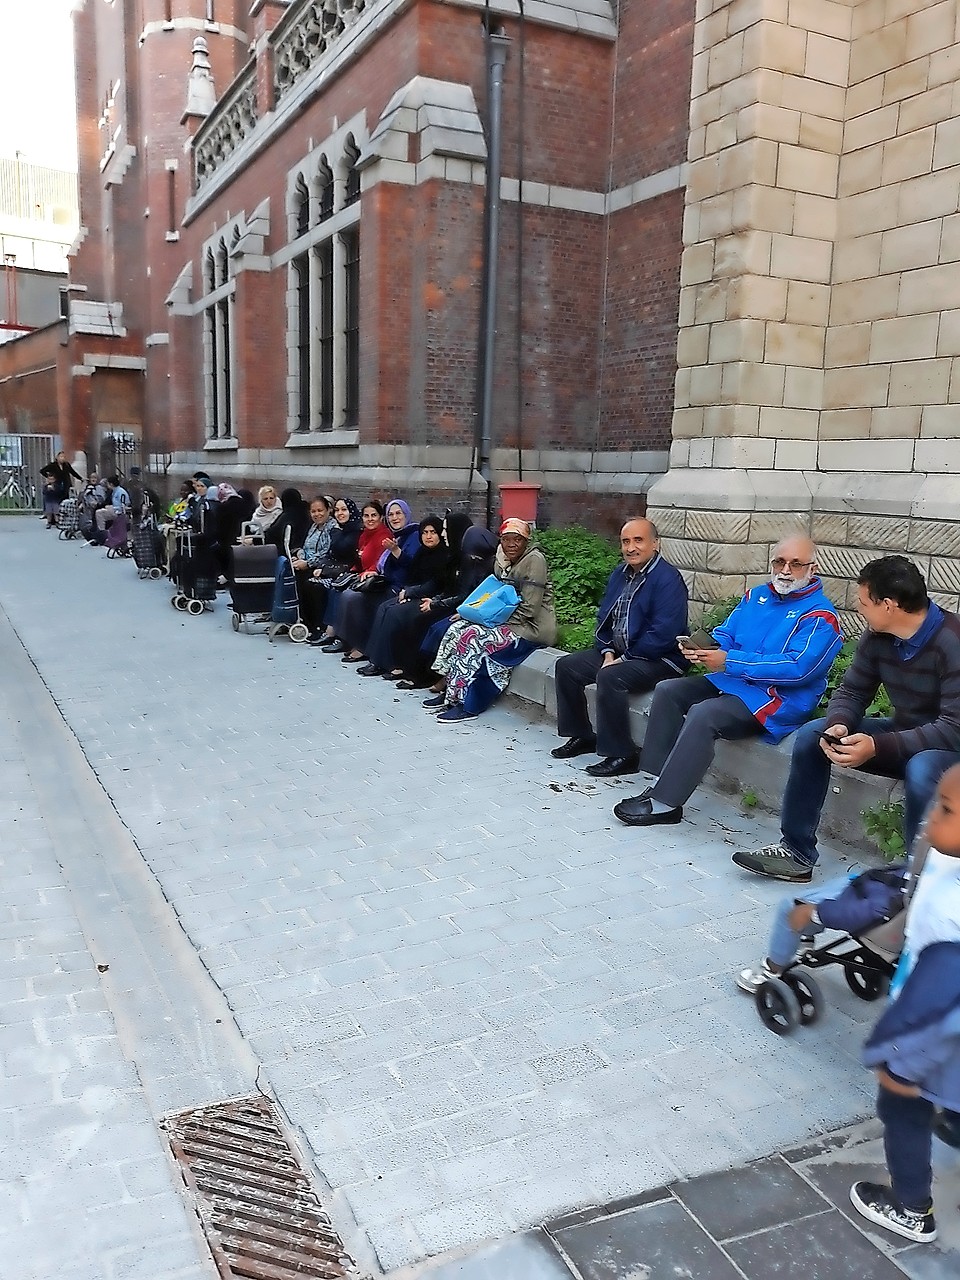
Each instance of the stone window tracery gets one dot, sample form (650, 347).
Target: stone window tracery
(323, 290)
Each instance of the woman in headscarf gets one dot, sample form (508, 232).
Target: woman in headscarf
(425, 576)
(288, 532)
(232, 511)
(345, 529)
(403, 628)
(358, 605)
(417, 648)
(371, 545)
(475, 659)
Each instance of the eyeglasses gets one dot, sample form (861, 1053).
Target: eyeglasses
(779, 564)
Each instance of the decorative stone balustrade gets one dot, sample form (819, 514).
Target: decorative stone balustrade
(305, 34)
(224, 131)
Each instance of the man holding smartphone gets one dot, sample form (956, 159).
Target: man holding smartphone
(766, 674)
(911, 647)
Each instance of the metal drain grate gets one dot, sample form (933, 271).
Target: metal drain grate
(262, 1218)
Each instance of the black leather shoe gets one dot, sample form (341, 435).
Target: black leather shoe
(574, 747)
(368, 669)
(638, 812)
(333, 646)
(613, 766)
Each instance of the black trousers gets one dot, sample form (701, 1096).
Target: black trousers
(313, 600)
(686, 719)
(615, 684)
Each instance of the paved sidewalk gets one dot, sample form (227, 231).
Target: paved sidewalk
(786, 1215)
(481, 999)
(87, 1191)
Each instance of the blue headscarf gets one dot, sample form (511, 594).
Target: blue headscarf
(404, 507)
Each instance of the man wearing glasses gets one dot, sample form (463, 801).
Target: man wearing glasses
(912, 647)
(765, 676)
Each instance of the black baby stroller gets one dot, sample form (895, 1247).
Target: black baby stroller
(252, 573)
(68, 519)
(868, 957)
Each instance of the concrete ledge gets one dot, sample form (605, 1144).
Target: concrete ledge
(738, 766)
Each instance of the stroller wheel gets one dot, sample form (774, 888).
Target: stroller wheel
(778, 1007)
(179, 602)
(298, 633)
(154, 574)
(870, 985)
(195, 607)
(808, 993)
(235, 621)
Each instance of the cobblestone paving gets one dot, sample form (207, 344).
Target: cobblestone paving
(482, 999)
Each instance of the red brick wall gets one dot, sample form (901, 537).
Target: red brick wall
(30, 382)
(641, 324)
(652, 102)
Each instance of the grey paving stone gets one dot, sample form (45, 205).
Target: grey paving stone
(658, 1242)
(761, 1195)
(524, 1257)
(824, 1247)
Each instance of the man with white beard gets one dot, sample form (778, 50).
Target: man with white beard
(910, 646)
(766, 675)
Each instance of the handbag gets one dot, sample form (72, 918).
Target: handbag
(491, 603)
(344, 581)
(333, 569)
(372, 583)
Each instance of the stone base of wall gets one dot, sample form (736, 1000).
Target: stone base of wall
(720, 526)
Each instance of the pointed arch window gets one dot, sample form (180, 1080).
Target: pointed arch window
(323, 294)
(218, 342)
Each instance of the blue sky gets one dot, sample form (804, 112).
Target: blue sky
(37, 112)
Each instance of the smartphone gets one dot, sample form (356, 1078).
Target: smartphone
(827, 736)
(699, 640)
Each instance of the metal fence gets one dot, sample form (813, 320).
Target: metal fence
(21, 457)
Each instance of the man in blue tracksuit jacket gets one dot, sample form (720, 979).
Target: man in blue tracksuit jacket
(766, 677)
(643, 610)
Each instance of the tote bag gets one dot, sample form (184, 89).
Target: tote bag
(491, 603)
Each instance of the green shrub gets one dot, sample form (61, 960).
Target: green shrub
(580, 564)
(719, 612)
(883, 823)
(881, 704)
(574, 636)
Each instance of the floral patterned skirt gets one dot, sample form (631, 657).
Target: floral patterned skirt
(465, 649)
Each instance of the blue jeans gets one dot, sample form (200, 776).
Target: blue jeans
(907, 1134)
(809, 778)
(784, 941)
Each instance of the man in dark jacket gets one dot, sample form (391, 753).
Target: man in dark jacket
(643, 610)
(911, 647)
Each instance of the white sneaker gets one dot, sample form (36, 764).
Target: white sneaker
(748, 980)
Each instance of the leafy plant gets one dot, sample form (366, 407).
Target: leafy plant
(749, 799)
(574, 636)
(881, 704)
(580, 564)
(883, 823)
(719, 612)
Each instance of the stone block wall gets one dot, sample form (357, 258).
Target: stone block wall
(819, 377)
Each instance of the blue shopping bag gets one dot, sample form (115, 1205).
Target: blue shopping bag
(491, 603)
